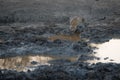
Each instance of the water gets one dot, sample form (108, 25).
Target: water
(108, 51)
(30, 62)
(22, 63)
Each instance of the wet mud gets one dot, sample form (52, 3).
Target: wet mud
(41, 46)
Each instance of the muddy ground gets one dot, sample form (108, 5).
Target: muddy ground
(41, 28)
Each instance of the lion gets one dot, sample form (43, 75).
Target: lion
(75, 22)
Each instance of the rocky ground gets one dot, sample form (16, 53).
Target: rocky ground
(27, 29)
(76, 71)
(33, 39)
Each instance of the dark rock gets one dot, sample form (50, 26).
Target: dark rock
(34, 62)
(91, 74)
(58, 41)
(111, 60)
(106, 58)
(82, 46)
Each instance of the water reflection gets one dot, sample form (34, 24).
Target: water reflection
(108, 51)
(23, 63)
(74, 37)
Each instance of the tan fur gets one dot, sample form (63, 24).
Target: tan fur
(75, 21)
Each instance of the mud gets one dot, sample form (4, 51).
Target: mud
(37, 44)
(82, 71)
(62, 57)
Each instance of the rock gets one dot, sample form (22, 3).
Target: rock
(82, 47)
(91, 74)
(58, 41)
(34, 62)
(106, 58)
(111, 60)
